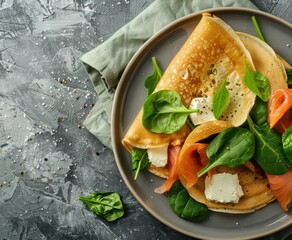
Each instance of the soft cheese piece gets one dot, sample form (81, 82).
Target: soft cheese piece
(158, 156)
(205, 114)
(223, 188)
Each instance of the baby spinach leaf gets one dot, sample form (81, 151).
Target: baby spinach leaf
(289, 77)
(220, 100)
(232, 147)
(259, 112)
(287, 143)
(269, 153)
(185, 206)
(257, 83)
(152, 81)
(140, 160)
(164, 112)
(107, 205)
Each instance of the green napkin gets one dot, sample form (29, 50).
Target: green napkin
(106, 62)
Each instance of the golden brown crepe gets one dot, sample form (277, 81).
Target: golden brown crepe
(212, 53)
(253, 181)
(255, 187)
(266, 61)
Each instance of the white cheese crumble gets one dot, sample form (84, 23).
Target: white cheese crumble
(205, 114)
(223, 188)
(158, 156)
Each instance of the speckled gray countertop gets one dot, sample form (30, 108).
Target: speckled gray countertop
(47, 158)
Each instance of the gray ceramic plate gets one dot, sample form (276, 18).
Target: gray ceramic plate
(129, 99)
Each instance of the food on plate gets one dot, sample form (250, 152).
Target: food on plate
(215, 120)
(254, 183)
(212, 53)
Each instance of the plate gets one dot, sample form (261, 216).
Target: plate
(130, 96)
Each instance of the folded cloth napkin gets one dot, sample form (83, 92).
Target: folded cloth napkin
(106, 62)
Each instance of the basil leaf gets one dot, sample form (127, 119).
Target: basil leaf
(259, 112)
(287, 143)
(232, 147)
(185, 206)
(220, 100)
(289, 77)
(152, 81)
(257, 83)
(107, 205)
(140, 160)
(269, 153)
(164, 112)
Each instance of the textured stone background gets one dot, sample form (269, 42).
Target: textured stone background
(47, 158)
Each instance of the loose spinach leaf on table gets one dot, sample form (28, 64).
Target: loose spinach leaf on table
(107, 205)
(164, 112)
(140, 160)
(232, 147)
(257, 83)
(220, 100)
(259, 112)
(152, 81)
(185, 206)
(287, 143)
(269, 153)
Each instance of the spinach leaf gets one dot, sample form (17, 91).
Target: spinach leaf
(258, 30)
(185, 206)
(269, 153)
(259, 112)
(220, 100)
(232, 147)
(257, 83)
(164, 112)
(107, 205)
(287, 143)
(152, 81)
(289, 77)
(140, 160)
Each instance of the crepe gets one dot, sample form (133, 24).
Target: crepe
(255, 185)
(252, 179)
(212, 53)
(266, 61)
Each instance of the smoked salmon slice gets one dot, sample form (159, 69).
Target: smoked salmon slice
(285, 122)
(192, 160)
(279, 103)
(173, 153)
(281, 186)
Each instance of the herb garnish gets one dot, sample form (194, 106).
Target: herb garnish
(220, 100)
(287, 143)
(184, 205)
(107, 205)
(232, 147)
(164, 112)
(257, 83)
(289, 77)
(269, 153)
(152, 81)
(257, 28)
(140, 160)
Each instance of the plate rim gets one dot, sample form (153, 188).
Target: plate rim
(123, 84)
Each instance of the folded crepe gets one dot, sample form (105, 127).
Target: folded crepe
(266, 61)
(212, 53)
(253, 181)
